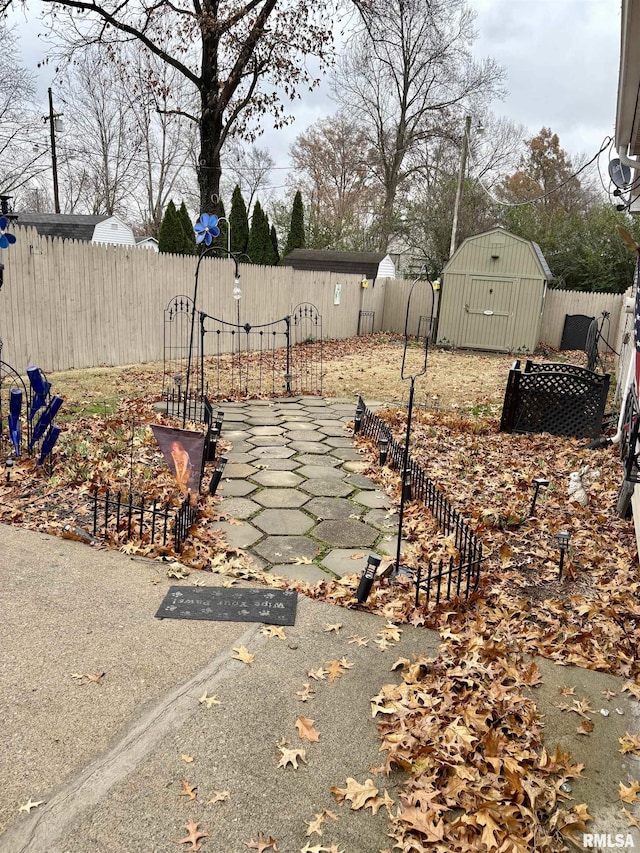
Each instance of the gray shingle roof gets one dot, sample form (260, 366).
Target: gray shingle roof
(357, 263)
(70, 226)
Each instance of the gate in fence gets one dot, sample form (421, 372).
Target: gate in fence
(278, 358)
(446, 579)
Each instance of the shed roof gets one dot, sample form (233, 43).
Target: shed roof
(356, 263)
(499, 230)
(70, 226)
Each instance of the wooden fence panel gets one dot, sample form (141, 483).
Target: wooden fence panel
(559, 303)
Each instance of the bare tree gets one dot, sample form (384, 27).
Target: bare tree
(236, 57)
(21, 127)
(250, 168)
(406, 75)
(331, 170)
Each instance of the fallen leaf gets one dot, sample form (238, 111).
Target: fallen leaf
(357, 556)
(585, 727)
(188, 759)
(630, 794)
(318, 674)
(243, 654)
(315, 825)
(306, 694)
(273, 631)
(633, 821)
(218, 797)
(188, 791)
(335, 627)
(262, 844)
(567, 691)
(306, 730)
(291, 756)
(302, 561)
(356, 793)
(31, 804)
(358, 641)
(209, 701)
(630, 744)
(194, 836)
(95, 677)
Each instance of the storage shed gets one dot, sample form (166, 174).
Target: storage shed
(493, 291)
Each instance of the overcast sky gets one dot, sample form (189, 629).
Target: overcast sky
(561, 59)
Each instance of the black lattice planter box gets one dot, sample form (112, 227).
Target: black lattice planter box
(561, 399)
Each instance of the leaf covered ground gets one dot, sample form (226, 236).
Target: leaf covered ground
(461, 725)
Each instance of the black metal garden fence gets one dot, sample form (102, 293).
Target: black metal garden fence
(447, 578)
(123, 517)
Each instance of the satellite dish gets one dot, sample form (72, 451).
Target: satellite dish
(619, 173)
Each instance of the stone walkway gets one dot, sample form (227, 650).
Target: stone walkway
(294, 481)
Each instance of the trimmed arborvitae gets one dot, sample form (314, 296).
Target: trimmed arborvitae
(295, 238)
(187, 228)
(259, 241)
(238, 222)
(274, 245)
(171, 236)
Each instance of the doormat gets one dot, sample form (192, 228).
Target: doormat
(218, 604)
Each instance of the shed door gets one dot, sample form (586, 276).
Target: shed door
(488, 313)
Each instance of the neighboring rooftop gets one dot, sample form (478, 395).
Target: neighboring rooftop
(354, 263)
(69, 226)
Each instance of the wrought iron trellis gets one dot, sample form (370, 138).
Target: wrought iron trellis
(121, 517)
(439, 581)
(366, 322)
(177, 338)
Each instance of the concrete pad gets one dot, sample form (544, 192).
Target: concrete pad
(239, 535)
(279, 479)
(284, 498)
(238, 470)
(238, 507)
(346, 561)
(271, 452)
(285, 549)
(327, 487)
(267, 440)
(318, 459)
(321, 472)
(309, 446)
(345, 533)
(309, 574)
(283, 522)
(236, 488)
(331, 507)
(375, 500)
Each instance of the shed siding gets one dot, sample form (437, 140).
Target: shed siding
(114, 232)
(493, 303)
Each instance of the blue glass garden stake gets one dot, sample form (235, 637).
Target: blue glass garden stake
(45, 419)
(40, 387)
(15, 407)
(48, 443)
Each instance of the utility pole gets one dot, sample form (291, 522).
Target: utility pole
(461, 172)
(51, 118)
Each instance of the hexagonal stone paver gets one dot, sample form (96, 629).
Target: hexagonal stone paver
(304, 435)
(239, 535)
(285, 549)
(339, 441)
(345, 533)
(235, 488)
(349, 454)
(360, 481)
(267, 430)
(272, 464)
(267, 440)
(309, 447)
(318, 459)
(239, 470)
(283, 498)
(356, 467)
(234, 435)
(321, 472)
(389, 546)
(232, 456)
(238, 507)
(382, 519)
(272, 453)
(375, 500)
(327, 488)
(324, 508)
(263, 421)
(283, 522)
(300, 422)
(336, 430)
(309, 574)
(280, 479)
(345, 561)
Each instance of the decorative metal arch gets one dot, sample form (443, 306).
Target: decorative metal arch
(306, 350)
(178, 317)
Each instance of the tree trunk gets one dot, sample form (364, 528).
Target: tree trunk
(209, 169)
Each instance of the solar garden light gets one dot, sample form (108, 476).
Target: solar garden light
(213, 445)
(367, 579)
(538, 483)
(218, 423)
(8, 466)
(217, 475)
(357, 421)
(383, 447)
(562, 540)
(406, 488)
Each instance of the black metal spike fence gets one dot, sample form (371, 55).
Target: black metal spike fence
(445, 579)
(123, 517)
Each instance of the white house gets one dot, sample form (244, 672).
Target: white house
(74, 226)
